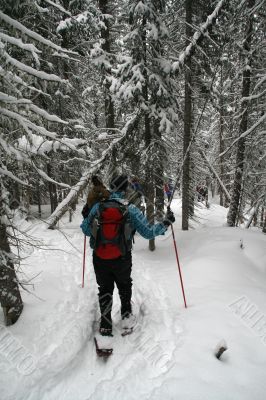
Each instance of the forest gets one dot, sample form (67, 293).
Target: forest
(170, 94)
(165, 91)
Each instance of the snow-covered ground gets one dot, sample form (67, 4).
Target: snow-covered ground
(171, 354)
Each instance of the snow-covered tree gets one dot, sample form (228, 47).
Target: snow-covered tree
(145, 85)
(28, 130)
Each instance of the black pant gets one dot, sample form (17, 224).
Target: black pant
(109, 272)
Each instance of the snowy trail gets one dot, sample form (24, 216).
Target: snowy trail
(147, 347)
(171, 351)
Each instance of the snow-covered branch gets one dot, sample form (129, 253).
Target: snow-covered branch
(5, 98)
(4, 171)
(253, 96)
(27, 125)
(36, 144)
(17, 25)
(261, 81)
(9, 149)
(32, 71)
(24, 46)
(10, 77)
(223, 188)
(72, 197)
(46, 115)
(197, 37)
(48, 179)
(244, 134)
(59, 7)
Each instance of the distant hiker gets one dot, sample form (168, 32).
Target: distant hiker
(98, 193)
(168, 189)
(202, 192)
(136, 185)
(135, 194)
(110, 224)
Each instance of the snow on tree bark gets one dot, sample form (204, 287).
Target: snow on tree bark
(10, 298)
(186, 198)
(233, 214)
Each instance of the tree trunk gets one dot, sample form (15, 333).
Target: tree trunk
(15, 200)
(221, 137)
(149, 176)
(109, 108)
(264, 225)
(158, 172)
(106, 46)
(10, 298)
(262, 216)
(149, 180)
(52, 190)
(39, 201)
(186, 198)
(232, 216)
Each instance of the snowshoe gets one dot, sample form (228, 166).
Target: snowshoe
(128, 325)
(104, 343)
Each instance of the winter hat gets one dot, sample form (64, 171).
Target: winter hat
(96, 180)
(119, 183)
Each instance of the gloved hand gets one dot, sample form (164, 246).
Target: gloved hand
(85, 211)
(169, 218)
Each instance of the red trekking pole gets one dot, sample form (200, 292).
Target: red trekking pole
(179, 269)
(84, 261)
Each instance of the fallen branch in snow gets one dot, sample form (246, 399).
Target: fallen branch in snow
(197, 37)
(75, 191)
(223, 188)
(220, 349)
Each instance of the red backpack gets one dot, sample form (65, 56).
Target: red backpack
(111, 230)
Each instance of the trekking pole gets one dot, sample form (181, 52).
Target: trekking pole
(84, 260)
(179, 269)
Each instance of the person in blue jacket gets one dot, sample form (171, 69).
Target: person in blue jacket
(112, 268)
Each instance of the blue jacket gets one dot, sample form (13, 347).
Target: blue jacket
(137, 219)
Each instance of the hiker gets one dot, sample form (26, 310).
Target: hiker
(168, 188)
(135, 194)
(136, 185)
(98, 193)
(110, 224)
(202, 192)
